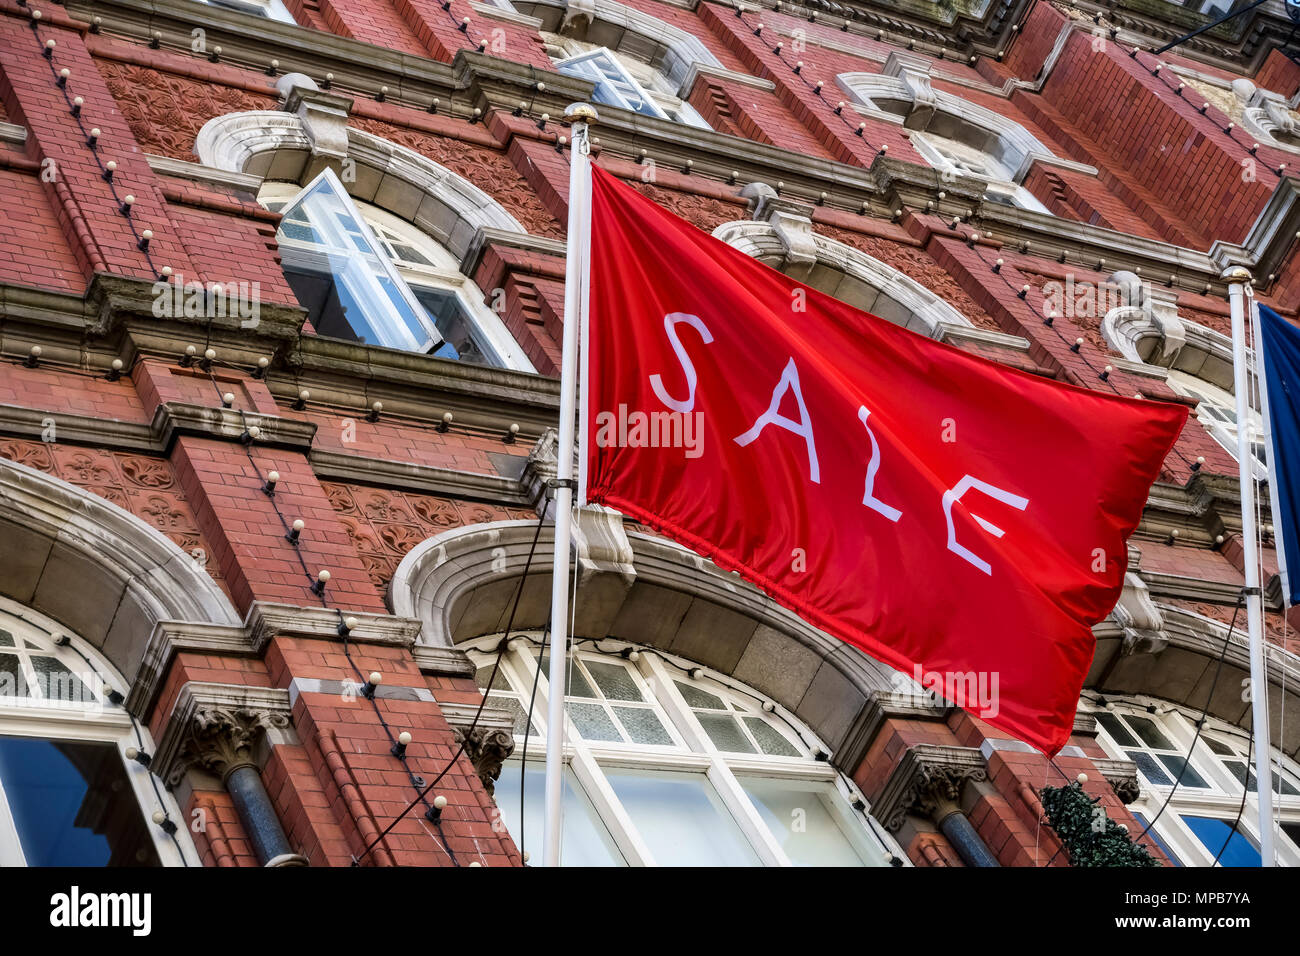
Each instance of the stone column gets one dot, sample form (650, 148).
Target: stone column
(222, 737)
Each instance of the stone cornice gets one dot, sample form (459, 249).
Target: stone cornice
(197, 172)
(882, 707)
(423, 479)
(443, 662)
(488, 83)
(264, 621)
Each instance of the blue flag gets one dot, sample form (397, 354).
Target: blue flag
(1279, 348)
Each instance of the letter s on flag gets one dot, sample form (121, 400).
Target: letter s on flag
(657, 382)
(1007, 588)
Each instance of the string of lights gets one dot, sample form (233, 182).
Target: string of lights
(91, 137)
(292, 534)
(1204, 109)
(1048, 318)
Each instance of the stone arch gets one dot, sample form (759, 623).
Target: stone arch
(95, 568)
(909, 99)
(646, 590)
(845, 273)
(289, 147)
(669, 49)
(1172, 653)
(1146, 328)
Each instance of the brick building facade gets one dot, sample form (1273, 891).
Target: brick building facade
(1019, 178)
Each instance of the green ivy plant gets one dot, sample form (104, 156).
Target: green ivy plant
(1090, 837)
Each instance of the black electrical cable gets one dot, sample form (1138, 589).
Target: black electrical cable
(541, 520)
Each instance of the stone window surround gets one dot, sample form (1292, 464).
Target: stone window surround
(908, 78)
(311, 132)
(680, 56)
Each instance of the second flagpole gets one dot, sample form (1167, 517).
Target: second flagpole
(1238, 279)
(576, 275)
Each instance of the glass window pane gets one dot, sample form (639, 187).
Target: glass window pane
(1182, 771)
(522, 726)
(771, 740)
(584, 840)
(724, 730)
(484, 674)
(1218, 746)
(461, 339)
(696, 697)
(6, 639)
(799, 819)
(1213, 833)
(1238, 769)
(681, 818)
(642, 725)
(58, 682)
(1156, 837)
(615, 681)
(576, 680)
(1149, 767)
(593, 722)
(12, 682)
(1151, 734)
(73, 804)
(1118, 732)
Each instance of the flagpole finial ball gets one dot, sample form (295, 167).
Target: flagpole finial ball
(1235, 274)
(581, 113)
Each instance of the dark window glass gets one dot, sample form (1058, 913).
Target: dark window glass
(1151, 735)
(1150, 769)
(460, 340)
(1118, 732)
(72, 804)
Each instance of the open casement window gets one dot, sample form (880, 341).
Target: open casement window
(965, 160)
(445, 305)
(616, 86)
(1198, 821)
(668, 765)
(1217, 411)
(343, 277)
(68, 795)
(271, 9)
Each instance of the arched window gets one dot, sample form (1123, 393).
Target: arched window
(1197, 825)
(364, 274)
(68, 794)
(1217, 411)
(622, 81)
(668, 763)
(954, 135)
(271, 9)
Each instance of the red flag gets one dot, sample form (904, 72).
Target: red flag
(961, 521)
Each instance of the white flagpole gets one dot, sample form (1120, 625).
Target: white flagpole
(1238, 278)
(577, 264)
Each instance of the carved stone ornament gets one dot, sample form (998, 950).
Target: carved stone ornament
(928, 780)
(487, 749)
(220, 740)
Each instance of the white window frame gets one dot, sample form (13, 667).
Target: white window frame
(106, 723)
(1222, 800)
(1211, 396)
(655, 103)
(692, 750)
(271, 9)
(443, 275)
